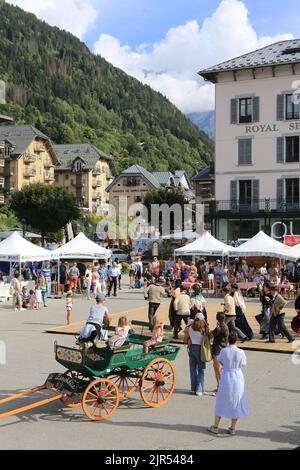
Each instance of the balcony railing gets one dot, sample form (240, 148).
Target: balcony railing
(256, 206)
(28, 172)
(49, 177)
(29, 158)
(96, 183)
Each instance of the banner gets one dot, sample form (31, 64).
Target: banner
(291, 240)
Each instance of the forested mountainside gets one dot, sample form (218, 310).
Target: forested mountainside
(56, 84)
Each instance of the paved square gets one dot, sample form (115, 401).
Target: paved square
(272, 386)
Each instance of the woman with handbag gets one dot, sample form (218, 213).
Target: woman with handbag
(193, 337)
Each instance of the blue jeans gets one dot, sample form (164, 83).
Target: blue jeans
(197, 369)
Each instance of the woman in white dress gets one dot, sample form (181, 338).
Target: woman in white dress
(231, 400)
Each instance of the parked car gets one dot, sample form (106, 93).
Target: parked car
(119, 254)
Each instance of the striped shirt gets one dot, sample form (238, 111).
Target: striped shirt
(47, 272)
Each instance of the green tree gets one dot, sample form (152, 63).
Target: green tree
(46, 209)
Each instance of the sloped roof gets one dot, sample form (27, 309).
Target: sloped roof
(164, 177)
(279, 53)
(137, 170)
(21, 136)
(89, 154)
(4, 118)
(203, 175)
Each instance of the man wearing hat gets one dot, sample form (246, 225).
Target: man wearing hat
(97, 319)
(153, 293)
(230, 313)
(277, 317)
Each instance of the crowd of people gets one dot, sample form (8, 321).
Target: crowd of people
(183, 284)
(53, 279)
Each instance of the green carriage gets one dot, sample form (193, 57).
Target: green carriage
(98, 377)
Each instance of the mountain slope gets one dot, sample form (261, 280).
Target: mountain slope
(205, 122)
(56, 84)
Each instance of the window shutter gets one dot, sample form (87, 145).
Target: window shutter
(245, 152)
(255, 194)
(280, 107)
(280, 149)
(280, 193)
(233, 195)
(248, 143)
(241, 152)
(234, 111)
(256, 102)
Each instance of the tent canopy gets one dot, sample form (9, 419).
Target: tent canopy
(206, 244)
(82, 247)
(8, 233)
(16, 248)
(263, 245)
(295, 252)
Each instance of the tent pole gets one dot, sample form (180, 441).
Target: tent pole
(58, 275)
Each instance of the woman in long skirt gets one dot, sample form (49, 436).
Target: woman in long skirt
(241, 311)
(231, 400)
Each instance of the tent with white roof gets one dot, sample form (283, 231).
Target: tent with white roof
(263, 245)
(82, 247)
(295, 251)
(206, 244)
(16, 248)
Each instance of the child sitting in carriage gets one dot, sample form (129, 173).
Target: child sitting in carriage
(157, 334)
(122, 331)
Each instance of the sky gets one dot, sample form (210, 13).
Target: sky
(164, 43)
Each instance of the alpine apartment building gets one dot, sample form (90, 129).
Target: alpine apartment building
(257, 159)
(28, 157)
(86, 171)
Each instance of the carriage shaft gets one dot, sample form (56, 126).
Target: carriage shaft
(28, 407)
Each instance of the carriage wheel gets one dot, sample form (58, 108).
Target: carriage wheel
(125, 383)
(75, 400)
(100, 399)
(158, 382)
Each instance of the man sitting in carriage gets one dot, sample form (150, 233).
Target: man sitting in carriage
(97, 322)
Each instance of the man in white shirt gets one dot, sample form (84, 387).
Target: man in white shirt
(119, 267)
(17, 297)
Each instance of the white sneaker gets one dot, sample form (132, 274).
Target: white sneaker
(22, 309)
(199, 394)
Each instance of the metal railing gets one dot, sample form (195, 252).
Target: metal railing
(254, 206)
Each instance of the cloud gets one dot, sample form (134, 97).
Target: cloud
(75, 16)
(170, 65)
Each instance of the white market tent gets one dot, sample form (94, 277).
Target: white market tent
(295, 251)
(263, 245)
(82, 247)
(16, 248)
(206, 244)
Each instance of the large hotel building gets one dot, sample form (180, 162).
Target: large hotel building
(257, 160)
